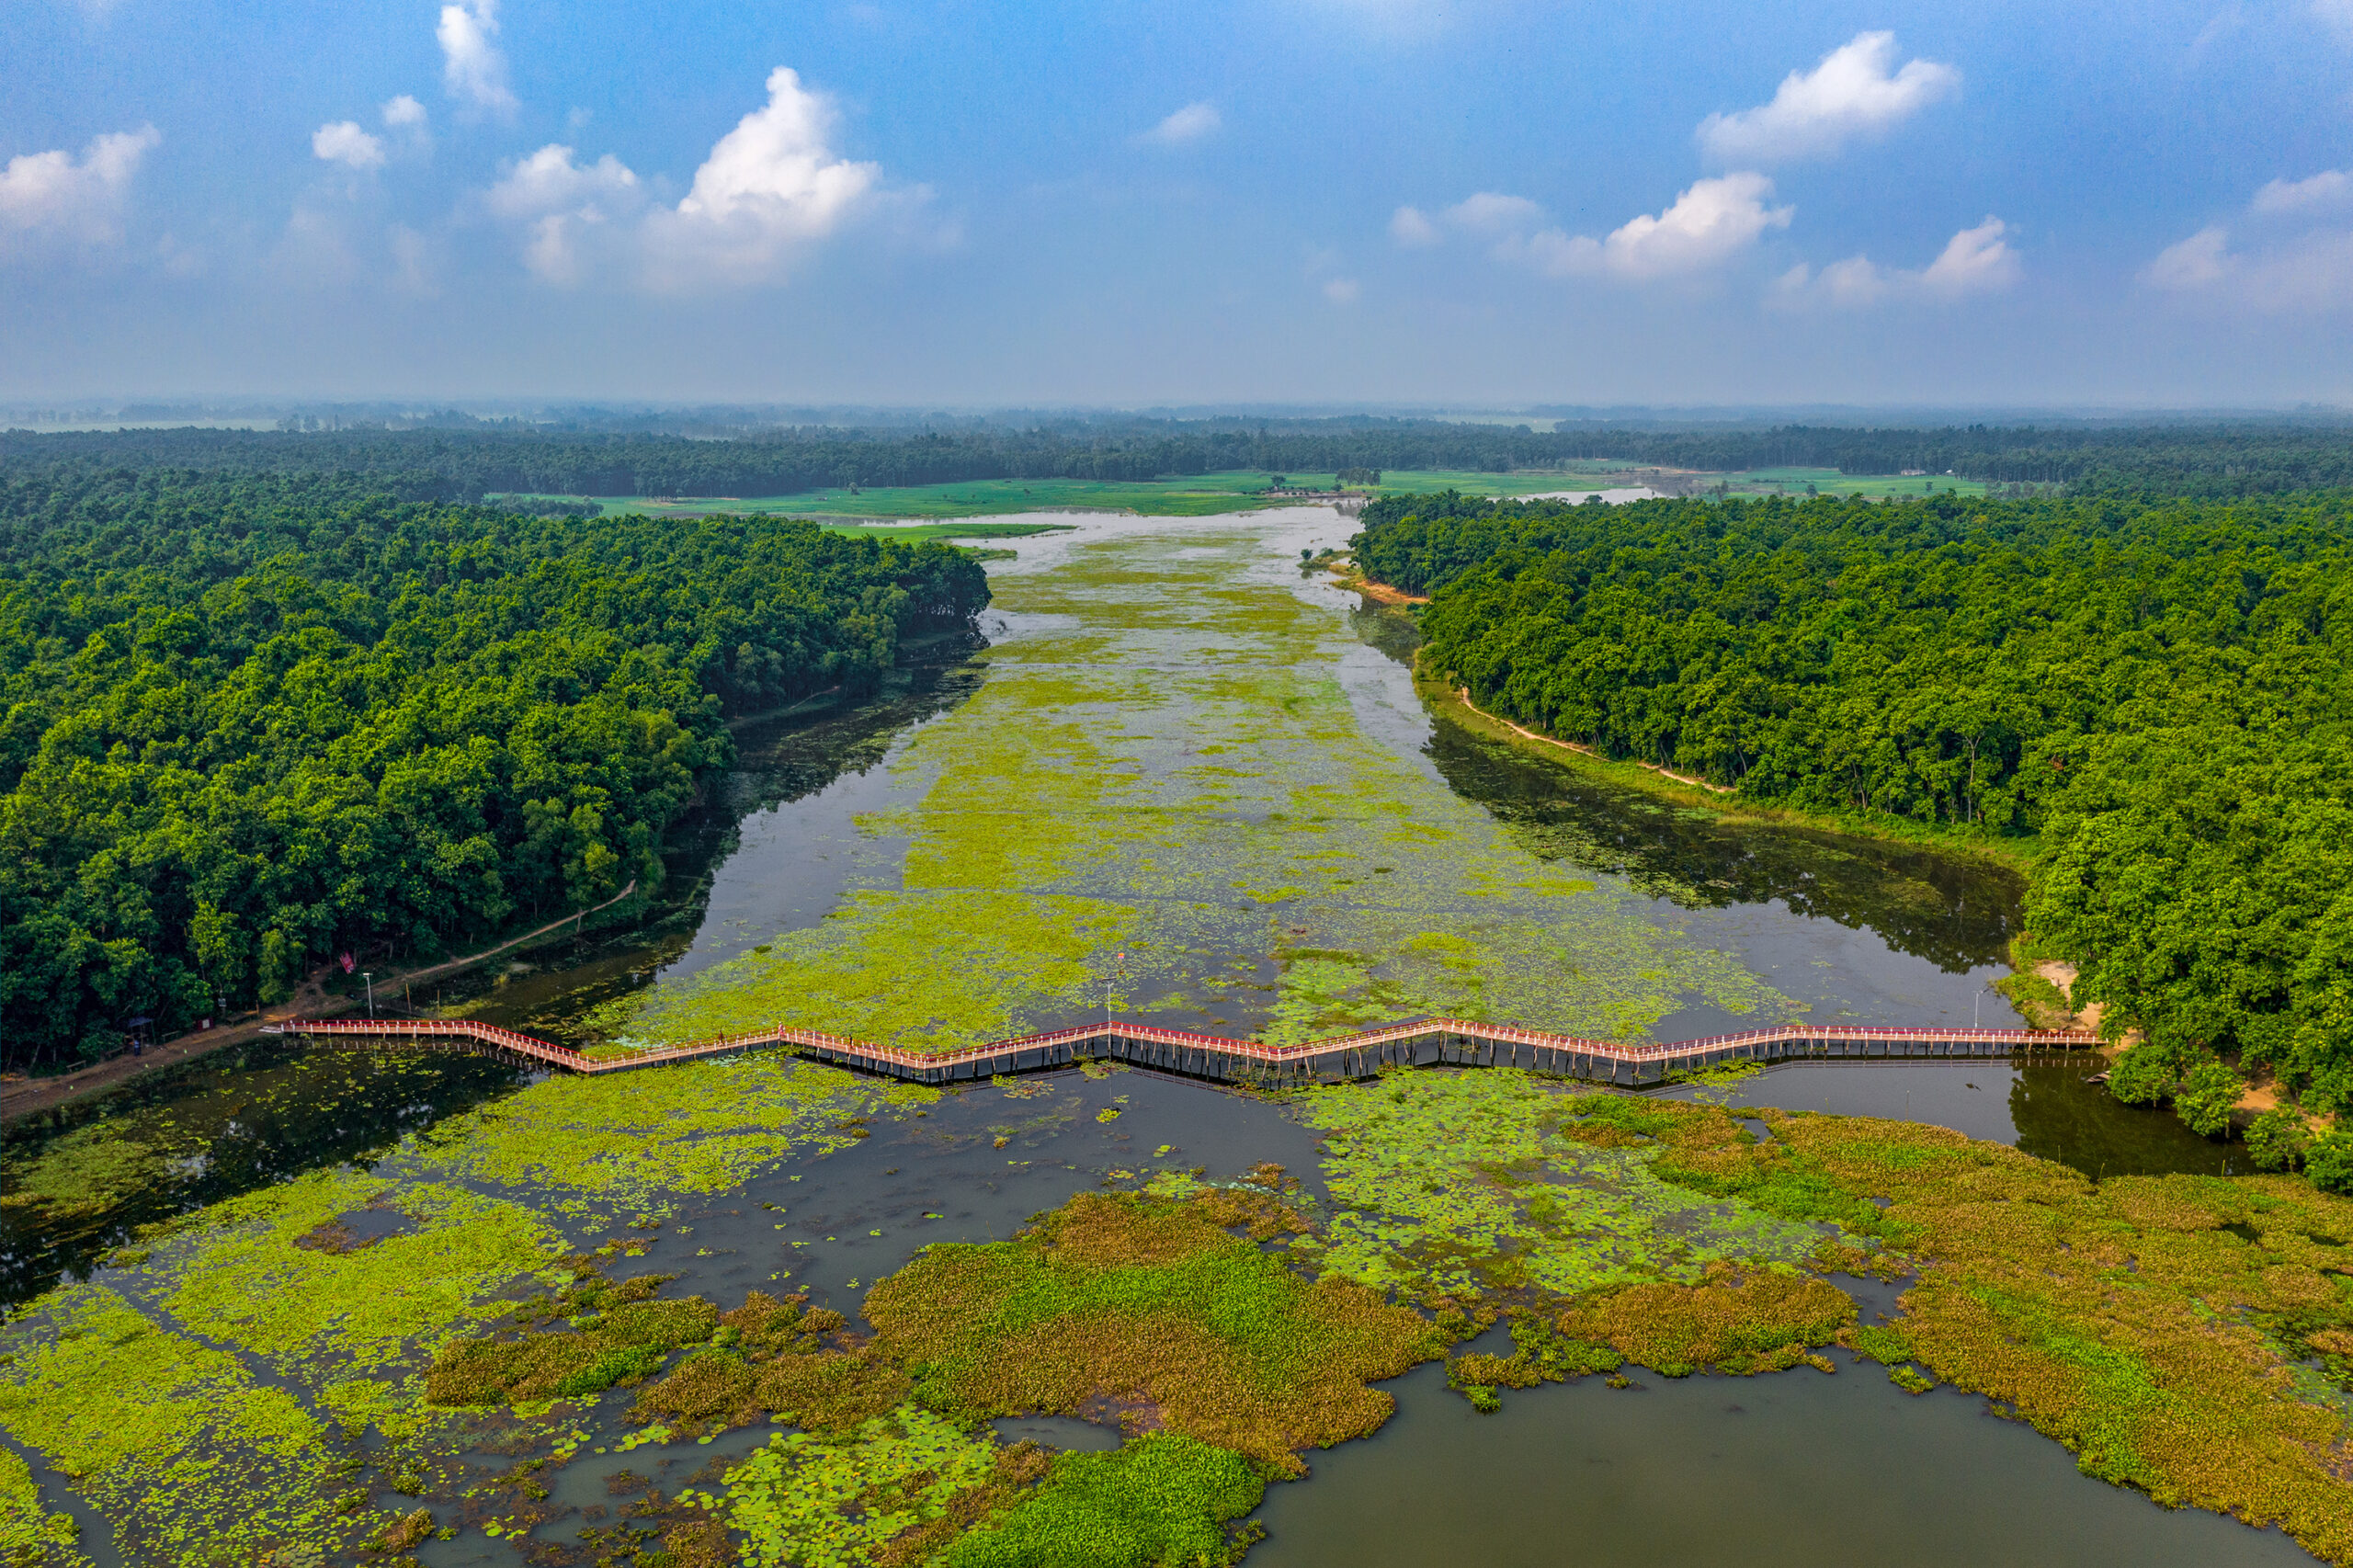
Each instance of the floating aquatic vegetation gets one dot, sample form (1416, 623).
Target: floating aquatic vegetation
(30, 1536)
(1164, 772)
(83, 1172)
(634, 1140)
(303, 1338)
(782, 1359)
(1737, 1321)
(618, 1335)
(190, 1459)
(1136, 1305)
(1449, 1182)
(1164, 1498)
(2160, 1327)
(1160, 772)
(238, 1274)
(806, 1501)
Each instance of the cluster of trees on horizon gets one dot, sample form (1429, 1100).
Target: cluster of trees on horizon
(465, 464)
(2160, 690)
(251, 721)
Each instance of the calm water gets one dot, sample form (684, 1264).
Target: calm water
(1793, 1468)
(1798, 1468)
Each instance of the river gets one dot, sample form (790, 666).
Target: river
(1180, 776)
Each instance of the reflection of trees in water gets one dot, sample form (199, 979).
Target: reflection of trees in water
(788, 757)
(1958, 914)
(794, 756)
(778, 761)
(241, 1118)
(2060, 1117)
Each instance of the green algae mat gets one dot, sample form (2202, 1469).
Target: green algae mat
(347, 1367)
(1161, 799)
(1161, 791)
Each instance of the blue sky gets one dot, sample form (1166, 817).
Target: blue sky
(1476, 202)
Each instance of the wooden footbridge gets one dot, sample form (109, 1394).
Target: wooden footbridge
(1433, 1041)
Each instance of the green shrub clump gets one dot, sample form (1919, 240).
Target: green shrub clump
(2329, 1161)
(2276, 1139)
(1164, 1498)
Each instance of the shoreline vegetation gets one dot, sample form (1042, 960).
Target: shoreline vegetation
(253, 724)
(2052, 684)
(486, 1321)
(308, 1368)
(2015, 853)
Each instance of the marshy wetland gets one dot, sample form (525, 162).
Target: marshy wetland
(318, 1306)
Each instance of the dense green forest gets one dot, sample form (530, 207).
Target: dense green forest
(456, 464)
(2159, 690)
(248, 721)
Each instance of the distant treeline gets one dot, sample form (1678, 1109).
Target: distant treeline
(248, 722)
(2162, 689)
(2167, 460)
(464, 465)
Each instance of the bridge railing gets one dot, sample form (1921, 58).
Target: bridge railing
(857, 1053)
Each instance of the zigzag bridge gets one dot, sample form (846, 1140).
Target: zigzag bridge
(1429, 1043)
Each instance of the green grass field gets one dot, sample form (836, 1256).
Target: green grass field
(1193, 496)
(1571, 476)
(1830, 482)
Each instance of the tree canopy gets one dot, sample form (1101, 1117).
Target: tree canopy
(446, 462)
(2159, 689)
(247, 721)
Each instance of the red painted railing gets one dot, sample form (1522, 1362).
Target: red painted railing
(886, 1058)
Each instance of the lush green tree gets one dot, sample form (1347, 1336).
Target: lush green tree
(2276, 1139)
(2161, 690)
(253, 721)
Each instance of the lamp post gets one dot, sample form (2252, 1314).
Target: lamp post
(369, 976)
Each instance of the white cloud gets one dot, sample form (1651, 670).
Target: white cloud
(1493, 212)
(1412, 226)
(2328, 189)
(1711, 223)
(51, 194)
(2201, 260)
(1850, 94)
(1187, 124)
(560, 204)
(472, 68)
(177, 259)
(2297, 259)
(344, 142)
(1343, 290)
(2305, 273)
(1975, 261)
(403, 112)
(771, 189)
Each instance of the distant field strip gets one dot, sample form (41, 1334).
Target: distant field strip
(1188, 495)
(1432, 1042)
